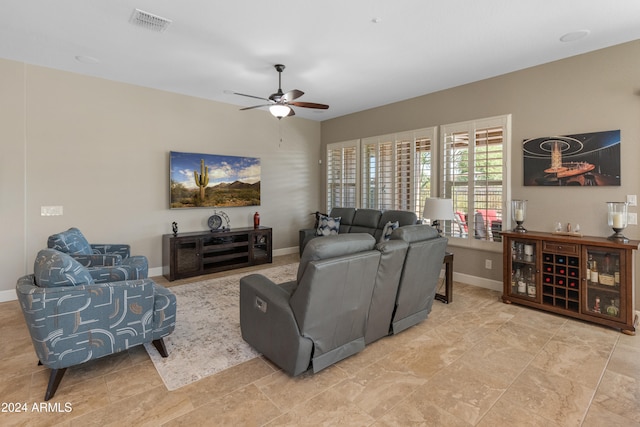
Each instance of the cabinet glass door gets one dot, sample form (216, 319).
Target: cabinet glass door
(260, 247)
(524, 282)
(187, 256)
(603, 293)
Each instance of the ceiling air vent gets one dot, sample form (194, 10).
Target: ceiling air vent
(149, 21)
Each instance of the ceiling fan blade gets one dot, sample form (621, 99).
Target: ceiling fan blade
(291, 112)
(250, 96)
(292, 94)
(256, 106)
(310, 105)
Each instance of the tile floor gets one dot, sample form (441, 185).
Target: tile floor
(475, 362)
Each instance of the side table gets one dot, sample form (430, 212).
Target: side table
(448, 279)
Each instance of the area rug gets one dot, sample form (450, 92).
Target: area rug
(207, 337)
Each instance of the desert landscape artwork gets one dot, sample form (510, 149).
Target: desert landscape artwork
(211, 180)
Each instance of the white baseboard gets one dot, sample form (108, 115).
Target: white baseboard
(481, 282)
(8, 295)
(155, 271)
(286, 251)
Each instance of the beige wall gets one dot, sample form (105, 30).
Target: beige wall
(592, 92)
(101, 150)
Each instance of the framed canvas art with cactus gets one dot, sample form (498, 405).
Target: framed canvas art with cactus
(213, 180)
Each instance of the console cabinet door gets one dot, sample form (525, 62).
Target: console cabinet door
(604, 296)
(523, 269)
(187, 257)
(261, 247)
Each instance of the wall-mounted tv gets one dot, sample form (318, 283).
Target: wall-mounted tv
(212, 180)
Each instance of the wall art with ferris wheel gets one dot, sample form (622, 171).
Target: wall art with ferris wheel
(581, 160)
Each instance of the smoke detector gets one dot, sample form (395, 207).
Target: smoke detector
(149, 21)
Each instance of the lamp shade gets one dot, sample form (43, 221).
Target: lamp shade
(279, 110)
(438, 209)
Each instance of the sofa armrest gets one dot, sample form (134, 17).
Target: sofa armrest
(305, 236)
(123, 250)
(98, 260)
(269, 325)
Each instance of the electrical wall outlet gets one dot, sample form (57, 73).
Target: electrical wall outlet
(632, 218)
(487, 264)
(632, 200)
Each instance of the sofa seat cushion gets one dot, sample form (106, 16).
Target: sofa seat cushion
(55, 269)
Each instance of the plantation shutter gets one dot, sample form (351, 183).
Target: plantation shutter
(473, 175)
(403, 172)
(422, 172)
(342, 173)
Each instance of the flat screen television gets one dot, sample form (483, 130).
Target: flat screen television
(213, 180)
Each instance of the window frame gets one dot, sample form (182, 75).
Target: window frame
(342, 146)
(471, 127)
(436, 135)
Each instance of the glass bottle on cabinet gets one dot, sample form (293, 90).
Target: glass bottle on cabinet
(603, 293)
(523, 269)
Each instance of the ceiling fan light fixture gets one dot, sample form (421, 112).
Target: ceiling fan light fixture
(279, 110)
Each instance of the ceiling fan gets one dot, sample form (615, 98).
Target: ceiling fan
(280, 103)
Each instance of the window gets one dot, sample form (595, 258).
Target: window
(423, 171)
(396, 170)
(400, 171)
(342, 172)
(475, 176)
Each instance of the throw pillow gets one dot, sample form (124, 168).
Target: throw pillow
(71, 241)
(388, 229)
(54, 269)
(328, 226)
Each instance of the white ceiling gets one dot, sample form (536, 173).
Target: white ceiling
(332, 49)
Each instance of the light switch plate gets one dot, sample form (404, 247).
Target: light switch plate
(50, 210)
(632, 200)
(632, 218)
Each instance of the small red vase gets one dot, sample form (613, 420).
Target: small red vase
(256, 220)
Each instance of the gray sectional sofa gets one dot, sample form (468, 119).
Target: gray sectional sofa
(350, 291)
(370, 221)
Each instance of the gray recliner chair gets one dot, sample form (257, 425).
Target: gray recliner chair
(320, 318)
(420, 274)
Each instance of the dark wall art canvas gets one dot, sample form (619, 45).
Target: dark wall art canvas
(586, 159)
(210, 180)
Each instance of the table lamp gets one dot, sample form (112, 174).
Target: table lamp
(436, 209)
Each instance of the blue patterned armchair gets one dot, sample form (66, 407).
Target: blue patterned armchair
(72, 319)
(105, 262)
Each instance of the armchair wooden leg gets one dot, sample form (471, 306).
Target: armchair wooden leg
(162, 349)
(54, 382)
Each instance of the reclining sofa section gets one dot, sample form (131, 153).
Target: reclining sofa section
(349, 292)
(370, 221)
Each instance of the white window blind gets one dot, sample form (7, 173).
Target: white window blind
(342, 173)
(422, 172)
(396, 170)
(474, 175)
